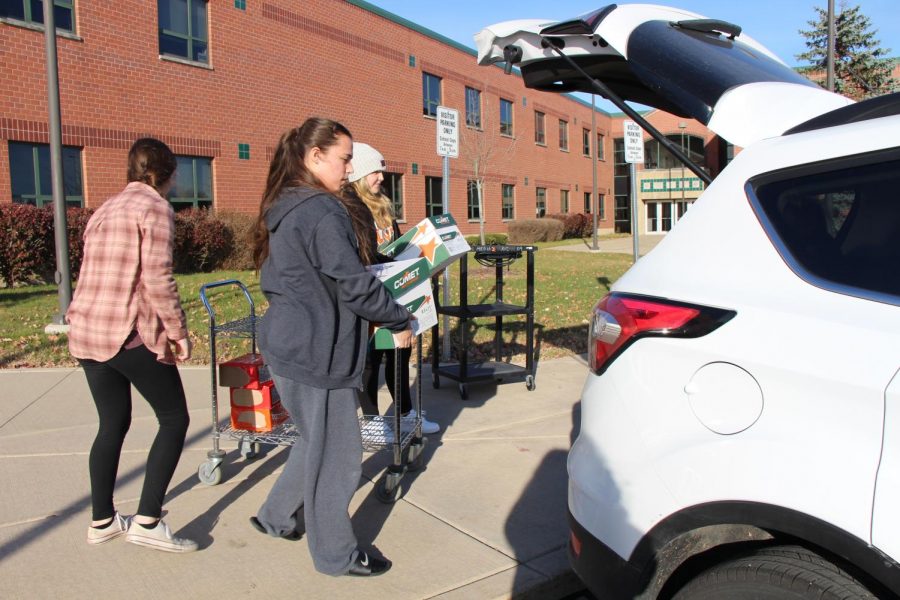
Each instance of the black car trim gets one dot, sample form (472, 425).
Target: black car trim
(844, 162)
(874, 108)
(779, 521)
(609, 575)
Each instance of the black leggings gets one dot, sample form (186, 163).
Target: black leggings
(110, 383)
(373, 365)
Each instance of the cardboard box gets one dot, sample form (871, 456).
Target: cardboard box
(264, 398)
(437, 239)
(247, 371)
(409, 283)
(258, 420)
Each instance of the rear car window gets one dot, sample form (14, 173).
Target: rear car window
(837, 224)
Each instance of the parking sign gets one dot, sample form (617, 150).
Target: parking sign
(447, 132)
(634, 142)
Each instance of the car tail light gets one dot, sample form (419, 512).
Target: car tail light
(618, 320)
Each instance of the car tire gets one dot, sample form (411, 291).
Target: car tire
(774, 573)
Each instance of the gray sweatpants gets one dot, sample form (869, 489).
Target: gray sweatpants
(321, 474)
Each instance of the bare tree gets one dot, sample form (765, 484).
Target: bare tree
(485, 143)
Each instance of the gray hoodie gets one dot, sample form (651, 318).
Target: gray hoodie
(320, 295)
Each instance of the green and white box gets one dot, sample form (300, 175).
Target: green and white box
(437, 239)
(409, 283)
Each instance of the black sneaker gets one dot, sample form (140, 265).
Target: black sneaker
(366, 565)
(292, 535)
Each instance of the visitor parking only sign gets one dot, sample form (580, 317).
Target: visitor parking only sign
(447, 132)
(634, 142)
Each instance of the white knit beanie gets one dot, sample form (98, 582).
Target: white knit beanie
(366, 159)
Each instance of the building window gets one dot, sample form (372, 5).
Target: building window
(540, 203)
(240, 4)
(563, 135)
(564, 201)
(586, 142)
(587, 203)
(32, 11)
(540, 137)
(508, 202)
(431, 94)
(473, 108)
(29, 170)
(472, 194)
(506, 117)
(182, 29)
(602, 206)
(193, 183)
(434, 204)
(657, 157)
(601, 153)
(392, 187)
(243, 151)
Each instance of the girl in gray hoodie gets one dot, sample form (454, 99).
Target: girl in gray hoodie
(313, 338)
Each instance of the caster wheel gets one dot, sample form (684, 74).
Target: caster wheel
(388, 496)
(209, 473)
(463, 392)
(529, 383)
(248, 450)
(416, 457)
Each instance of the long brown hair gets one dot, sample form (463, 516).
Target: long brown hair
(151, 161)
(379, 204)
(287, 169)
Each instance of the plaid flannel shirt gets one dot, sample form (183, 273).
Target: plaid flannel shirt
(126, 280)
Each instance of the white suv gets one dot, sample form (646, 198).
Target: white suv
(740, 426)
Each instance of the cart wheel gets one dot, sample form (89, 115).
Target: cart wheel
(388, 496)
(209, 473)
(249, 450)
(529, 383)
(436, 382)
(416, 457)
(463, 392)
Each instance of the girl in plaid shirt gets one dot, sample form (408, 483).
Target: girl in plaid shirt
(124, 321)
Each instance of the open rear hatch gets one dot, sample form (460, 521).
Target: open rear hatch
(666, 58)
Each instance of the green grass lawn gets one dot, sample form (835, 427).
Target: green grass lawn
(567, 284)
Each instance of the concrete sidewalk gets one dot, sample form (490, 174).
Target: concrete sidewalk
(484, 519)
(616, 245)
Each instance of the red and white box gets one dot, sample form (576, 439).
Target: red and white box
(257, 410)
(247, 371)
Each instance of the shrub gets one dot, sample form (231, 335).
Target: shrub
(202, 242)
(241, 226)
(576, 225)
(528, 231)
(76, 221)
(489, 238)
(26, 243)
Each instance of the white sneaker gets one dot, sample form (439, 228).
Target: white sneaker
(160, 538)
(428, 427)
(115, 529)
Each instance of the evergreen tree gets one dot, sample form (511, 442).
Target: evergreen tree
(862, 68)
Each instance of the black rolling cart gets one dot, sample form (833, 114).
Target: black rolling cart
(464, 372)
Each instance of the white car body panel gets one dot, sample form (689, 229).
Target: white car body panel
(886, 516)
(823, 361)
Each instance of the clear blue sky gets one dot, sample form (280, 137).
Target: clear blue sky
(774, 23)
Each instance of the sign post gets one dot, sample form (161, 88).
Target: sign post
(634, 153)
(447, 147)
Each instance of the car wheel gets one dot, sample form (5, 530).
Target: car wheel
(775, 573)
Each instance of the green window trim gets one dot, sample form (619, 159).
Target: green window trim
(64, 13)
(243, 151)
(40, 170)
(191, 38)
(200, 192)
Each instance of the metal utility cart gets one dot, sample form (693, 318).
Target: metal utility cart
(497, 256)
(403, 435)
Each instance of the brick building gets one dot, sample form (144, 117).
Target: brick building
(221, 80)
